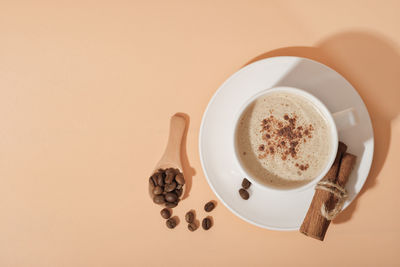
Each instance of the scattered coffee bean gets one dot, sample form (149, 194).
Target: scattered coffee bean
(192, 227)
(246, 183)
(170, 187)
(209, 206)
(244, 194)
(189, 217)
(206, 223)
(180, 179)
(171, 204)
(159, 199)
(171, 223)
(179, 186)
(157, 190)
(171, 197)
(165, 213)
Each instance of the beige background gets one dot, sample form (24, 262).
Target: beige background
(86, 92)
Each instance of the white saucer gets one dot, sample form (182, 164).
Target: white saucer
(278, 210)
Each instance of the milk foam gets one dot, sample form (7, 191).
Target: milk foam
(275, 166)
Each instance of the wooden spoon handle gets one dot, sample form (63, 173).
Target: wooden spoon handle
(172, 154)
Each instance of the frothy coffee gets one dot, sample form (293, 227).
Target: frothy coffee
(283, 140)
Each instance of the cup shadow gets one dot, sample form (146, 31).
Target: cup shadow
(369, 61)
(188, 170)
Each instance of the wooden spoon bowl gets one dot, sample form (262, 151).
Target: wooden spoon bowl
(172, 154)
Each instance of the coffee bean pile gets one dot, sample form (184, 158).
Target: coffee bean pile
(166, 186)
(243, 191)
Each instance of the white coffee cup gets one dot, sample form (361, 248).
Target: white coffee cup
(336, 121)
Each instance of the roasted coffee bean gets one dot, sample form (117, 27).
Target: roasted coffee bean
(172, 171)
(152, 180)
(246, 183)
(192, 227)
(158, 190)
(178, 192)
(171, 204)
(171, 223)
(170, 187)
(160, 180)
(179, 186)
(158, 199)
(189, 217)
(244, 194)
(169, 178)
(171, 197)
(180, 179)
(206, 223)
(169, 170)
(165, 213)
(170, 175)
(209, 206)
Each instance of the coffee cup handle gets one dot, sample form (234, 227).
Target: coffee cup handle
(345, 119)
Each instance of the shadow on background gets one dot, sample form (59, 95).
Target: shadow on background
(372, 65)
(188, 170)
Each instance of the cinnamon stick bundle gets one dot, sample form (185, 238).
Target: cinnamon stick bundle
(315, 224)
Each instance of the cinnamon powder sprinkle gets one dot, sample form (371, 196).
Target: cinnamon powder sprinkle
(283, 137)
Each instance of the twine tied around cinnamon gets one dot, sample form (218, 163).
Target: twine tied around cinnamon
(336, 190)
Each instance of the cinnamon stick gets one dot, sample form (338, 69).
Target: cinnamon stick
(346, 166)
(314, 224)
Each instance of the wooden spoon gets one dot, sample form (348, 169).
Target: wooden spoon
(172, 154)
